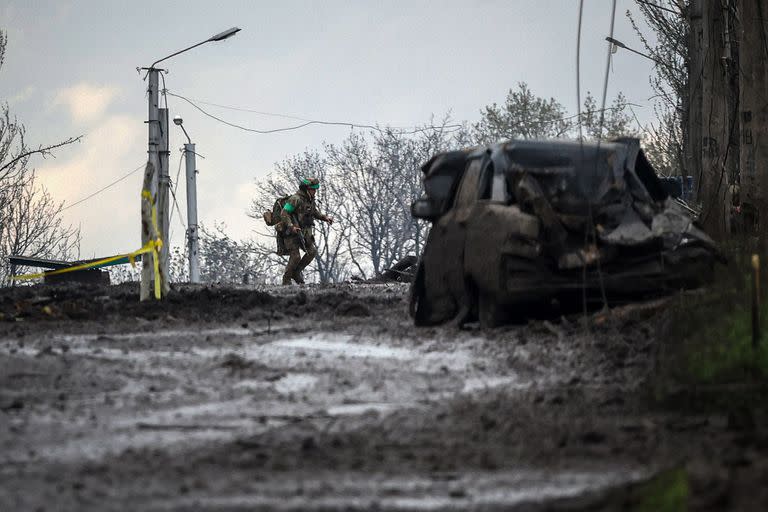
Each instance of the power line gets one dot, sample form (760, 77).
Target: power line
(104, 188)
(403, 131)
(307, 122)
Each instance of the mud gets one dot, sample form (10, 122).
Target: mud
(327, 398)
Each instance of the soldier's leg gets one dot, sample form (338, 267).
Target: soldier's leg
(294, 259)
(306, 259)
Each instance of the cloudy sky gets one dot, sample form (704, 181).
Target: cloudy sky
(70, 69)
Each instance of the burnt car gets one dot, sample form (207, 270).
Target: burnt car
(522, 224)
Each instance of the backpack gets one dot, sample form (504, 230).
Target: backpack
(273, 218)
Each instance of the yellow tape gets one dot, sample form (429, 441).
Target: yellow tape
(152, 246)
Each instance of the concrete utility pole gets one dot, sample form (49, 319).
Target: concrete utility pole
(193, 247)
(160, 180)
(163, 191)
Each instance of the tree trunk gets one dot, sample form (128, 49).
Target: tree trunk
(694, 104)
(716, 118)
(753, 90)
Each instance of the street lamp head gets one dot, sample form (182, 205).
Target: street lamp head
(224, 35)
(616, 42)
(177, 120)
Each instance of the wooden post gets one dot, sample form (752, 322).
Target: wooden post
(147, 233)
(755, 301)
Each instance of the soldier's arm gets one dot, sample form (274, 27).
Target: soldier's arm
(319, 216)
(287, 213)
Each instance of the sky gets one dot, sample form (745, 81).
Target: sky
(70, 69)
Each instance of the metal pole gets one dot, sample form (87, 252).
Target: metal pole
(163, 206)
(192, 238)
(154, 160)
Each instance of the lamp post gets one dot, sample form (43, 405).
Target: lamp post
(618, 44)
(192, 236)
(161, 180)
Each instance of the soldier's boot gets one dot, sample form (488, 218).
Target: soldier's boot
(292, 267)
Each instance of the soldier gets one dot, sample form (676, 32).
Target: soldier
(298, 218)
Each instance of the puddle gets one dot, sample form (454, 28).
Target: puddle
(343, 344)
(296, 382)
(480, 383)
(325, 346)
(357, 409)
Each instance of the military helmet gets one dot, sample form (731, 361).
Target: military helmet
(309, 183)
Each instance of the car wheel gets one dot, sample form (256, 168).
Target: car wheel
(418, 306)
(489, 313)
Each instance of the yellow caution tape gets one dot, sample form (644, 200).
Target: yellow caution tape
(152, 246)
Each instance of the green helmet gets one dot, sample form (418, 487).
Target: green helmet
(309, 183)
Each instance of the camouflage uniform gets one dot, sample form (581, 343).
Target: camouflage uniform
(299, 209)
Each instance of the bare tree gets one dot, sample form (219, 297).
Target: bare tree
(331, 258)
(30, 220)
(32, 224)
(669, 144)
(225, 260)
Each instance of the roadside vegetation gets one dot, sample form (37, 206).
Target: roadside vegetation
(707, 358)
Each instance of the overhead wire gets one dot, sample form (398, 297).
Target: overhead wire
(173, 193)
(599, 140)
(104, 188)
(401, 130)
(308, 122)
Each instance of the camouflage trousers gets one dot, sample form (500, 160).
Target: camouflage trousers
(296, 262)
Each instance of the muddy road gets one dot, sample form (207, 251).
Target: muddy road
(327, 398)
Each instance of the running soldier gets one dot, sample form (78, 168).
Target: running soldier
(298, 218)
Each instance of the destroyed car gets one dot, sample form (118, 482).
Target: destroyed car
(520, 224)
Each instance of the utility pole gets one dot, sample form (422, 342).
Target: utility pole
(159, 181)
(193, 247)
(163, 206)
(153, 145)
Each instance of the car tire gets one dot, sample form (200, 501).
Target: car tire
(418, 305)
(490, 314)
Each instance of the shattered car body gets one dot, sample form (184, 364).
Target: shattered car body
(523, 222)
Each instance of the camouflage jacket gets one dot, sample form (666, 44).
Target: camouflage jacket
(300, 210)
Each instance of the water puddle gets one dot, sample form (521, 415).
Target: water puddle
(485, 383)
(357, 409)
(296, 382)
(344, 345)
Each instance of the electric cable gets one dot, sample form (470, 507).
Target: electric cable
(104, 188)
(399, 130)
(175, 187)
(309, 122)
(599, 140)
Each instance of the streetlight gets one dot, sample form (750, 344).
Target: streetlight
(157, 143)
(616, 43)
(192, 237)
